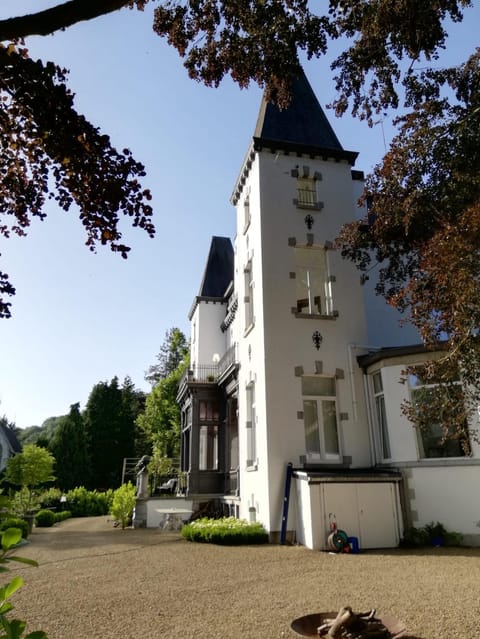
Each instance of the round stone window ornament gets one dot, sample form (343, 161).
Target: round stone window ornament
(317, 339)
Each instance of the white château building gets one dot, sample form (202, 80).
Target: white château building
(295, 366)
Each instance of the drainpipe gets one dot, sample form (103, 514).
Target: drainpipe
(351, 375)
(371, 434)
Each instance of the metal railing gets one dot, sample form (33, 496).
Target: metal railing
(306, 197)
(210, 373)
(229, 359)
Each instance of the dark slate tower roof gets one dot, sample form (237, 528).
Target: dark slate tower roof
(12, 439)
(302, 127)
(218, 272)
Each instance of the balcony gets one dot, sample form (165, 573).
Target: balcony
(213, 373)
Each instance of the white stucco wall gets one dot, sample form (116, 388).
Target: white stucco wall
(279, 342)
(209, 339)
(248, 248)
(445, 489)
(448, 494)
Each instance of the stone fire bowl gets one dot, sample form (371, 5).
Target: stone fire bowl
(307, 626)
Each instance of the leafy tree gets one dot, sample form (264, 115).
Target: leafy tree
(40, 435)
(30, 468)
(110, 424)
(133, 403)
(50, 151)
(172, 353)
(161, 419)
(69, 447)
(422, 235)
(391, 47)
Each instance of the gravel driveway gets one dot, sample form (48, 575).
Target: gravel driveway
(96, 581)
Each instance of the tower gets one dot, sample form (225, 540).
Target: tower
(300, 399)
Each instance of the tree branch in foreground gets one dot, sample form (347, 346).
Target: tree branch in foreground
(60, 17)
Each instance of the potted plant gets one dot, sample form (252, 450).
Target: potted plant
(436, 533)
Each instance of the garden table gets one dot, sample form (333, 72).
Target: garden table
(173, 518)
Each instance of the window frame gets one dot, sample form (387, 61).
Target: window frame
(251, 426)
(247, 214)
(380, 418)
(307, 196)
(208, 445)
(248, 296)
(320, 295)
(421, 434)
(321, 455)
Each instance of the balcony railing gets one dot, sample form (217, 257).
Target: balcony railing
(206, 373)
(228, 360)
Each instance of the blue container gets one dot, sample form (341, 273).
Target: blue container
(353, 541)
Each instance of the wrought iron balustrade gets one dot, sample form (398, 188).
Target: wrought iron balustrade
(206, 373)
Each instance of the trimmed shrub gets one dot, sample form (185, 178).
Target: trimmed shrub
(15, 522)
(44, 518)
(226, 531)
(61, 516)
(123, 504)
(50, 499)
(88, 503)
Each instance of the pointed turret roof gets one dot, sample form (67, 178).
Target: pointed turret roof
(302, 127)
(218, 274)
(219, 268)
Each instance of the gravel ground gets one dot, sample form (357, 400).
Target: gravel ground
(96, 581)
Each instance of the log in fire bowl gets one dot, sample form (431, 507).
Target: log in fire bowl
(347, 624)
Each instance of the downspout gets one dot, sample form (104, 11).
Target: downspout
(351, 374)
(371, 434)
(286, 503)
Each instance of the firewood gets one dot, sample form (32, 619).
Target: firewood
(350, 625)
(344, 618)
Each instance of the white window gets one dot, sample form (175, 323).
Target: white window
(251, 426)
(248, 299)
(380, 415)
(208, 447)
(435, 440)
(208, 443)
(320, 418)
(313, 287)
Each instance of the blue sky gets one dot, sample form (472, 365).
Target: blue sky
(80, 318)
